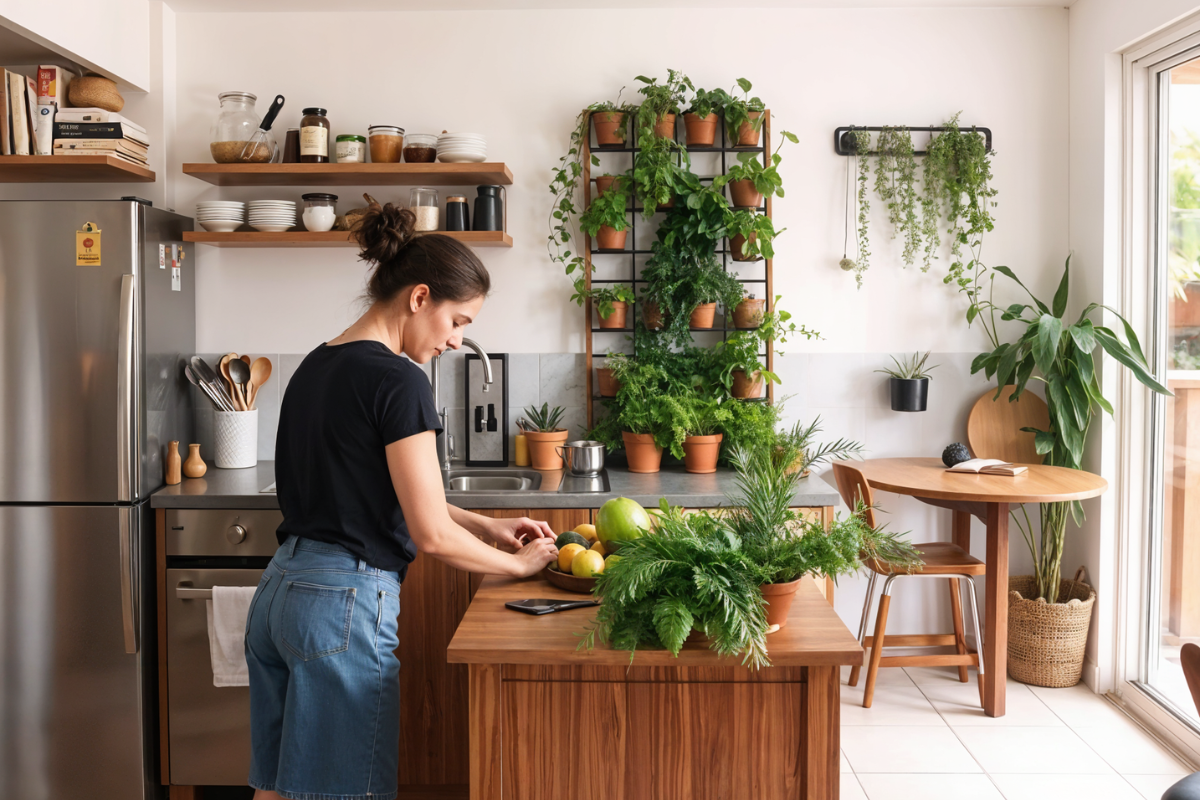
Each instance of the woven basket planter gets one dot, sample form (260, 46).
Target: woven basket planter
(1046, 641)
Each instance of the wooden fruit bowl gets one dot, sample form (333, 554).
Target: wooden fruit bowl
(567, 581)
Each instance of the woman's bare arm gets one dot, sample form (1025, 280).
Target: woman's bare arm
(413, 465)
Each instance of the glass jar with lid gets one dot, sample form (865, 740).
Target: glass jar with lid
(320, 211)
(314, 137)
(236, 122)
(423, 202)
(351, 149)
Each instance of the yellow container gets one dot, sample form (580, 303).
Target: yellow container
(522, 456)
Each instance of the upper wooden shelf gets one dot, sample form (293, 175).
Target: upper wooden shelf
(71, 169)
(327, 238)
(489, 173)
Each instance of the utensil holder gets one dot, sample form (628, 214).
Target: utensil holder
(236, 435)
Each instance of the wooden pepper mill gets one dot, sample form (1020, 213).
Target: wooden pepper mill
(173, 463)
(195, 466)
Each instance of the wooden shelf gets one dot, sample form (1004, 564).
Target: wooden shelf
(488, 173)
(327, 238)
(71, 169)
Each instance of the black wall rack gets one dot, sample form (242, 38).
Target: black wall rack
(844, 145)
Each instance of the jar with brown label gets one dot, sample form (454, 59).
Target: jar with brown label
(314, 137)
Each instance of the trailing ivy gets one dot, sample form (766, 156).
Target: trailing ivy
(862, 146)
(895, 179)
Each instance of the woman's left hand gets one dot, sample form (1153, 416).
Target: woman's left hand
(510, 534)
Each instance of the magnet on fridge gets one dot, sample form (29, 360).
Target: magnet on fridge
(162, 256)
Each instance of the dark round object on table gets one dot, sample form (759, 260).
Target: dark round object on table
(955, 454)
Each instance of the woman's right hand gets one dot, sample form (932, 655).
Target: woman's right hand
(534, 556)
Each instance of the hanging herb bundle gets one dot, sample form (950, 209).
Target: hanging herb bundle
(862, 147)
(895, 183)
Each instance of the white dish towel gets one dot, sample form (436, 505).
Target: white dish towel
(227, 612)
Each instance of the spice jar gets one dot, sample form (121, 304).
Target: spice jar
(320, 211)
(458, 218)
(387, 143)
(421, 148)
(424, 204)
(351, 149)
(314, 137)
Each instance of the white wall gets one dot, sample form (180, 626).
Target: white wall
(112, 37)
(1099, 31)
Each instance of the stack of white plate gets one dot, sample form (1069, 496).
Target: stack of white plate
(273, 216)
(220, 216)
(461, 148)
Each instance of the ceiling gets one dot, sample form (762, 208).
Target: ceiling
(283, 6)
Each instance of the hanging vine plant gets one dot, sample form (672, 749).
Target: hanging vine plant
(895, 184)
(862, 147)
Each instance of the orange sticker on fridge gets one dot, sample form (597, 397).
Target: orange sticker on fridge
(87, 246)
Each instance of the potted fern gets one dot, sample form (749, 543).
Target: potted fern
(708, 284)
(547, 438)
(909, 382)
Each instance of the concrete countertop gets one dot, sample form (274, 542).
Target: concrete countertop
(241, 488)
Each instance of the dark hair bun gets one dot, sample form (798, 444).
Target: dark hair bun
(385, 232)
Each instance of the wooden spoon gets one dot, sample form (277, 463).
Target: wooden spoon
(260, 373)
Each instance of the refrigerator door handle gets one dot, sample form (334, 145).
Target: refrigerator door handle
(125, 336)
(128, 558)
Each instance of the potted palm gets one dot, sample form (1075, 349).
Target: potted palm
(700, 119)
(798, 450)
(908, 382)
(548, 436)
(1047, 632)
(751, 235)
(744, 117)
(605, 218)
(661, 103)
(712, 573)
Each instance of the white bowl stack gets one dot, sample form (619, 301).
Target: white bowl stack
(461, 148)
(220, 216)
(272, 216)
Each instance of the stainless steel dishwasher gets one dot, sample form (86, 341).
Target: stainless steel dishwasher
(208, 728)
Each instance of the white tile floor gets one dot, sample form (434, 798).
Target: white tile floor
(926, 738)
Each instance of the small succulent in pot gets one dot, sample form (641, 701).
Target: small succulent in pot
(909, 382)
(955, 454)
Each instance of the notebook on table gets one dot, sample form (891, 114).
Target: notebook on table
(988, 466)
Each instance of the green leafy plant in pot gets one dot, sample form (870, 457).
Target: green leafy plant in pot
(548, 436)
(744, 116)
(605, 219)
(703, 418)
(707, 285)
(908, 382)
(701, 117)
(657, 169)
(750, 180)
(740, 357)
(643, 420)
(661, 102)
(612, 301)
(751, 235)
(1059, 354)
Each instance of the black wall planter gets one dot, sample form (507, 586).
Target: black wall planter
(909, 395)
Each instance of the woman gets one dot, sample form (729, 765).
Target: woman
(360, 488)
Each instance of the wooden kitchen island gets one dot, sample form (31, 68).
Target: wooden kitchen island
(550, 722)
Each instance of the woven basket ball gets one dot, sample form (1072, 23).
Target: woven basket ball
(94, 91)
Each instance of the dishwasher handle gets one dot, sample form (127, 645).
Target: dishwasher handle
(188, 593)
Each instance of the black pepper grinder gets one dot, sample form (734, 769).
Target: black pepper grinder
(489, 211)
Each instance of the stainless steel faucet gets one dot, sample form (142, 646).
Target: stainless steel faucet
(445, 448)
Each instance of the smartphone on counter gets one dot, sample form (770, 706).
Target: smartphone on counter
(546, 606)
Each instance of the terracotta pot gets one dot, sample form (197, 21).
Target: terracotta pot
(607, 385)
(665, 127)
(701, 131)
(735, 247)
(604, 183)
(749, 312)
(541, 448)
(610, 128)
(617, 318)
(779, 597)
(652, 316)
(703, 316)
(747, 136)
(609, 238)
(745, 388)
(643, 454)
(700, 453)
(664, 206)
(742, 194)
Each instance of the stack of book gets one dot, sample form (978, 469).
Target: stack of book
(96, 132)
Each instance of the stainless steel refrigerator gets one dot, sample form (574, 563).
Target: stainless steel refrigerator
(97, 313)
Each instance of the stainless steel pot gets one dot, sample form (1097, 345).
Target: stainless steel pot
(582, 457)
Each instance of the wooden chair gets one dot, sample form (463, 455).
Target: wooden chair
(994, 426)
(942, 560)
(1189, 659)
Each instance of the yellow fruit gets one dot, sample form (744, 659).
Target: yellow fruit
(587, 531)
(587, 564)
(599, 548)
(608, 562)
(566, 554)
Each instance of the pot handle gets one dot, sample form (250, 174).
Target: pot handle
(558, 450)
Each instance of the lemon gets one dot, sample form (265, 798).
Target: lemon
(566, 554)
(587, 564)
(587, 531)
(598, 546)
(608, 562)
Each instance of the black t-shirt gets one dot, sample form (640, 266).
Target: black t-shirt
(343, 406)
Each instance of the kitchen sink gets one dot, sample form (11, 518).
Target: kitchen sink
(493, 480)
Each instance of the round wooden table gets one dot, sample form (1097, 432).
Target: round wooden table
(987, 497)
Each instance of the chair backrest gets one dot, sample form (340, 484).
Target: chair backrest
(1189, 657)
(852, 486)
(994, 426)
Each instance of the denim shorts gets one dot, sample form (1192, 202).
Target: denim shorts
(324, 678)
